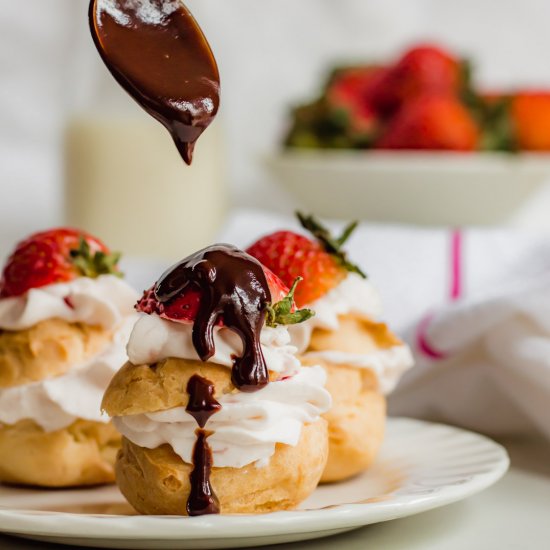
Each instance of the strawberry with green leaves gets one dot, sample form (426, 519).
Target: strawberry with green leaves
(320, 262)
(185, 306)
(343, 117)
(348, 102)
(56, 256)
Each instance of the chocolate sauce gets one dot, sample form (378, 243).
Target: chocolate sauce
(159, 55)
(201, 406)
(202, 403)
(202, 499)
(233, 285)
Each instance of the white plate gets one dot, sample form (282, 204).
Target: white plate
(433, 188)
(422, 466)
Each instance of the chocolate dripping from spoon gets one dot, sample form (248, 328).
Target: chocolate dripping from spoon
(157, 52)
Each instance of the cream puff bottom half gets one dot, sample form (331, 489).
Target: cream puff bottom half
(81, 455)
(356, 421)
(156, 481)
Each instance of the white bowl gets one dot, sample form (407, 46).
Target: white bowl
(412, 187)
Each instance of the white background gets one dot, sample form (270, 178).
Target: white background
(271, 53)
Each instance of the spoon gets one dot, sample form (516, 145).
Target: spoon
(158, 53)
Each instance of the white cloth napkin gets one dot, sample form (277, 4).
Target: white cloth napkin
(474, 305)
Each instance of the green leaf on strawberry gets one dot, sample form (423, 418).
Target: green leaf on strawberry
(332, 245)
(93, 264)
(284, 312)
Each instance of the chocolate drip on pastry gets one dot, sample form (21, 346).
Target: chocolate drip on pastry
(201, 406)
(157, 52)
(202, 403)
(202, 499)
(233, 287)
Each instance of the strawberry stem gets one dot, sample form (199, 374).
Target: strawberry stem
(332, 245)
(281, 313)
(93, 265)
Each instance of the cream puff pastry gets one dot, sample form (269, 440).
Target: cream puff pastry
(217, 413)
(65, 317)
(363, 359)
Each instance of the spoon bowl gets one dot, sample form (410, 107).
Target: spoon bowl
(157, 52)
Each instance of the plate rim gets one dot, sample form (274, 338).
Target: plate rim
(66, 525)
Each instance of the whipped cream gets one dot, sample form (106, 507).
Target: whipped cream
(56, 403)
(246, 429)
(154, 339)
(357, 296)
(354, 295)
(388, 364)
(105, 301)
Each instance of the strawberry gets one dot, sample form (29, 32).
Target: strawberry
(348, 97)
(424, 69)
(321, 262)
(514, 122)
(347, 103)
(55, 256)
(432, 122)
(292, 255)
(343, 116)
(348, 86)
(277, 288)
(530, 119)
(184, 308)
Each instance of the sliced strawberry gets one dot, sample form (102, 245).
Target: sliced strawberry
(55, 256)
(183, 309)
(279, 291)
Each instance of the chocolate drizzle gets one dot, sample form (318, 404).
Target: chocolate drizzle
(233, 286)
(202, 405)
(202, 499)
(157, 52)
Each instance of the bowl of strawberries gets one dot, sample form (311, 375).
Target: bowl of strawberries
(415, 141)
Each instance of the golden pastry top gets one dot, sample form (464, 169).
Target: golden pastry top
(139, 389)
(50, 348)
(355, 335)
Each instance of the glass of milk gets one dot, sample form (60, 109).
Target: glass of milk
(126, 183)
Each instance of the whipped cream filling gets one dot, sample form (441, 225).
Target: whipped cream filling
(105, 301)
(56, 403)
(247, 428)
(154, 339)
(388, 364)
(354, 295)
